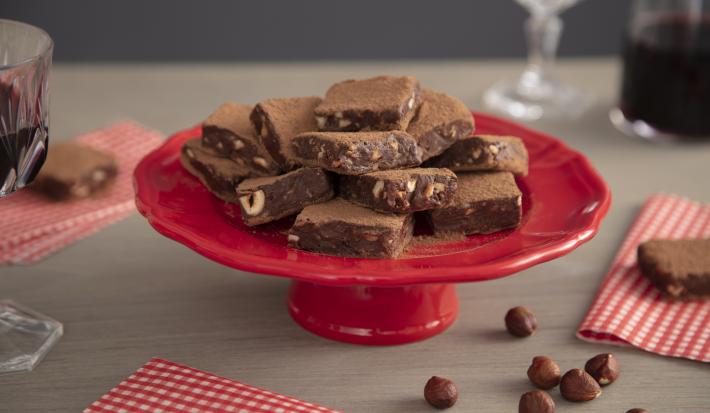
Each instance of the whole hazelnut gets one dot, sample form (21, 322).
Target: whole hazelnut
(536, 401)
(441, 392)
(637, 411)
(520, 322)
(578, 386)
(603, 367)
(544, 373)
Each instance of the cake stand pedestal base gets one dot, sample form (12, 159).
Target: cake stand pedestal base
(374, 315)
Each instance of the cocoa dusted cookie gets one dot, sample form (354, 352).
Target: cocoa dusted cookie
(403, 190)
(270, 198)
(220, 175)
(74, 171)
(485, 202)
(485, 153)
(338, 227)
(354, 153)
(229, 132)
(679, 268)
(277, 121)
(441, 120)
(379, 103)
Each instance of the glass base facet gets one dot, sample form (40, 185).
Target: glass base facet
(25, 337)
(533, 97)
(641, 129)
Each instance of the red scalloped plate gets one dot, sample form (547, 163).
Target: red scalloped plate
(564, 201)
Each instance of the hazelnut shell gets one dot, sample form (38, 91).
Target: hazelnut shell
(520, 322)
(441, 392)
(536, 401)
(578, 386)
(544, 373)
(604, 368)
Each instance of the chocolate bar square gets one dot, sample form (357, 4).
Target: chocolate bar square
(229, 132)
(485, 153)
(74, 171)
(679, 268)
(379, 103)
(338, 227)
(270, 198)
(354, 153)
(401, 190)
(485, 202)
(440, 121)
(277, 121)
(220, 175)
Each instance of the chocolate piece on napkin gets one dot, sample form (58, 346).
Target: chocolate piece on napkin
(34, 227)
(679, 268)
(629, 310)
(74, 171)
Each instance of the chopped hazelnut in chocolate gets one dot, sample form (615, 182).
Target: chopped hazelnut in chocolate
(338, 227)
(401, 190)
(440, 121)
(74, 171)
(680, 268)
(485, 202)
(277, 121)
(485, 153)
(379, 103)
(220, 175)
(229, 132)
(270, 198)
(354, 153)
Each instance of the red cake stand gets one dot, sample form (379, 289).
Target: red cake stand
(382, 301)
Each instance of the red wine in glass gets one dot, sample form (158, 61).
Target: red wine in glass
(23, 137)
(666, 75)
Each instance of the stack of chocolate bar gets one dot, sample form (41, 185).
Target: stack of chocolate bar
(357, 164)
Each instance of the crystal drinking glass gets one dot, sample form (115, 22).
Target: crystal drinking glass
(25, 59)
(537, 93)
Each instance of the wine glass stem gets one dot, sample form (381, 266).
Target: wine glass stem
(543, 34)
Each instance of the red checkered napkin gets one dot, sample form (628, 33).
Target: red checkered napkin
(33, 227)
(629, 310)
(161, 386)
(39, 247)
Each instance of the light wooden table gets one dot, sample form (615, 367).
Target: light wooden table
(127, 294)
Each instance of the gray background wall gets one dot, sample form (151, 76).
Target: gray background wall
(219, 30)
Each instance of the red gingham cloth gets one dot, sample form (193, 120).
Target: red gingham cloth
(32, 227)
(161, 386)
(629, 310)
